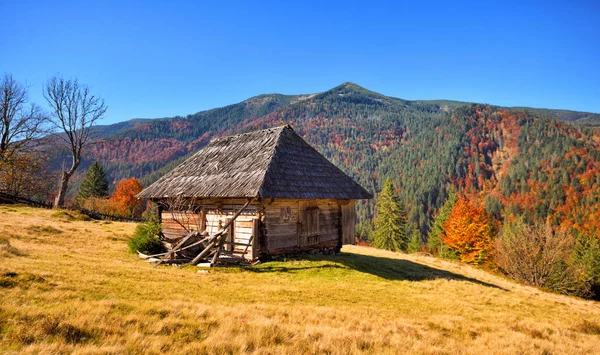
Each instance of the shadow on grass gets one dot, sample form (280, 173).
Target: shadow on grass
(387, 268)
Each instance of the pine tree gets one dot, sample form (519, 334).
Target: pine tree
(415, 242)
(95, 183)
(586, 255)
(390, 223)
(436, 233)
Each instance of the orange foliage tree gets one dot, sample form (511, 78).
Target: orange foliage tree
(124, 200)
(468, 232)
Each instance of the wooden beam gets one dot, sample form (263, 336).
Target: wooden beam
(212, 241)
(203, 253)
(256, 226)
(221, 241)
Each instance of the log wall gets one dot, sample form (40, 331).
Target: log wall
(280, 226)
(301, 225)
(208, 215)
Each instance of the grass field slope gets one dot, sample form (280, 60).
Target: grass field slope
(68, 284)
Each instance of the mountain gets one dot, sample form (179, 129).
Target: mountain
(535, 162)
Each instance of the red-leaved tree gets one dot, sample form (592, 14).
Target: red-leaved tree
(124, 200)
(468, 232)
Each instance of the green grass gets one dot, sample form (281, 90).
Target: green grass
(82, 291)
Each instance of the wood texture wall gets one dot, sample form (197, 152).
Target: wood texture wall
(284, 225)
(207, 216)
(298, 225)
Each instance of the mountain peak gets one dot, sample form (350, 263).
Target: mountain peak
(352, 88)
(349, 84)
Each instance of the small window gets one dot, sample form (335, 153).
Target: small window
(286, 213)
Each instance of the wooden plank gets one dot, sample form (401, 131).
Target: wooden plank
(245, 232)
(236, 243)
(243, 224)
(280, 231)
(256, 227)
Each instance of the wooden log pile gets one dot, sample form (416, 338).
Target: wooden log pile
(195, 248)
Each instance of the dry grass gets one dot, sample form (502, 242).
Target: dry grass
(71, 286)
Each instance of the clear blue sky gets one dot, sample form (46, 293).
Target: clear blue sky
(156, 59)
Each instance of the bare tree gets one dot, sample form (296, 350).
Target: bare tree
(24, 174)
(74, 112)
(532, 253)
(20, 124)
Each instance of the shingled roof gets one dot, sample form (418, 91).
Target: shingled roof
(270, 163)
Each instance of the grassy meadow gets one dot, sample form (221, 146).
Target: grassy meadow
(68, 284)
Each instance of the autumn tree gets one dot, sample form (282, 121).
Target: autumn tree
(390, 222)
(468, 231)
(95, 183)
(539, 255)
(74, 112)
(24, 174)
(436, 232)
(124, 199)
(20, 124)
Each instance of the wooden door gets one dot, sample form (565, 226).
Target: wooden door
(308, 223)
(348, 222)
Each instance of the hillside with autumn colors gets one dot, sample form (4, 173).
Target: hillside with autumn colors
(539, 163)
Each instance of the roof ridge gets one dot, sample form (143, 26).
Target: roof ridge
(270, 129)
(270, 164)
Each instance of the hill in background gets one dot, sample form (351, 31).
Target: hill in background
(536, 162)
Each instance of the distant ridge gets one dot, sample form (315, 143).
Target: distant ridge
(541, 163)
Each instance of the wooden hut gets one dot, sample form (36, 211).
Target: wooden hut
(284, 196)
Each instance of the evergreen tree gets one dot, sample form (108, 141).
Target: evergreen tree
(436, 233)
(415, 242)
(586, 256)
(364, 230)
(390, 223)
(95, 183)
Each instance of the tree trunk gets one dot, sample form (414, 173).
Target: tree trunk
(59, 201)
(66, 176)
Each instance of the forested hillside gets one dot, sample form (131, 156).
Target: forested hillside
(520, 161)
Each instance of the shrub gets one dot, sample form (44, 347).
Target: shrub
(537, 255)
(98, 205)
(151, 212)
(586, 256)
(145, 239)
